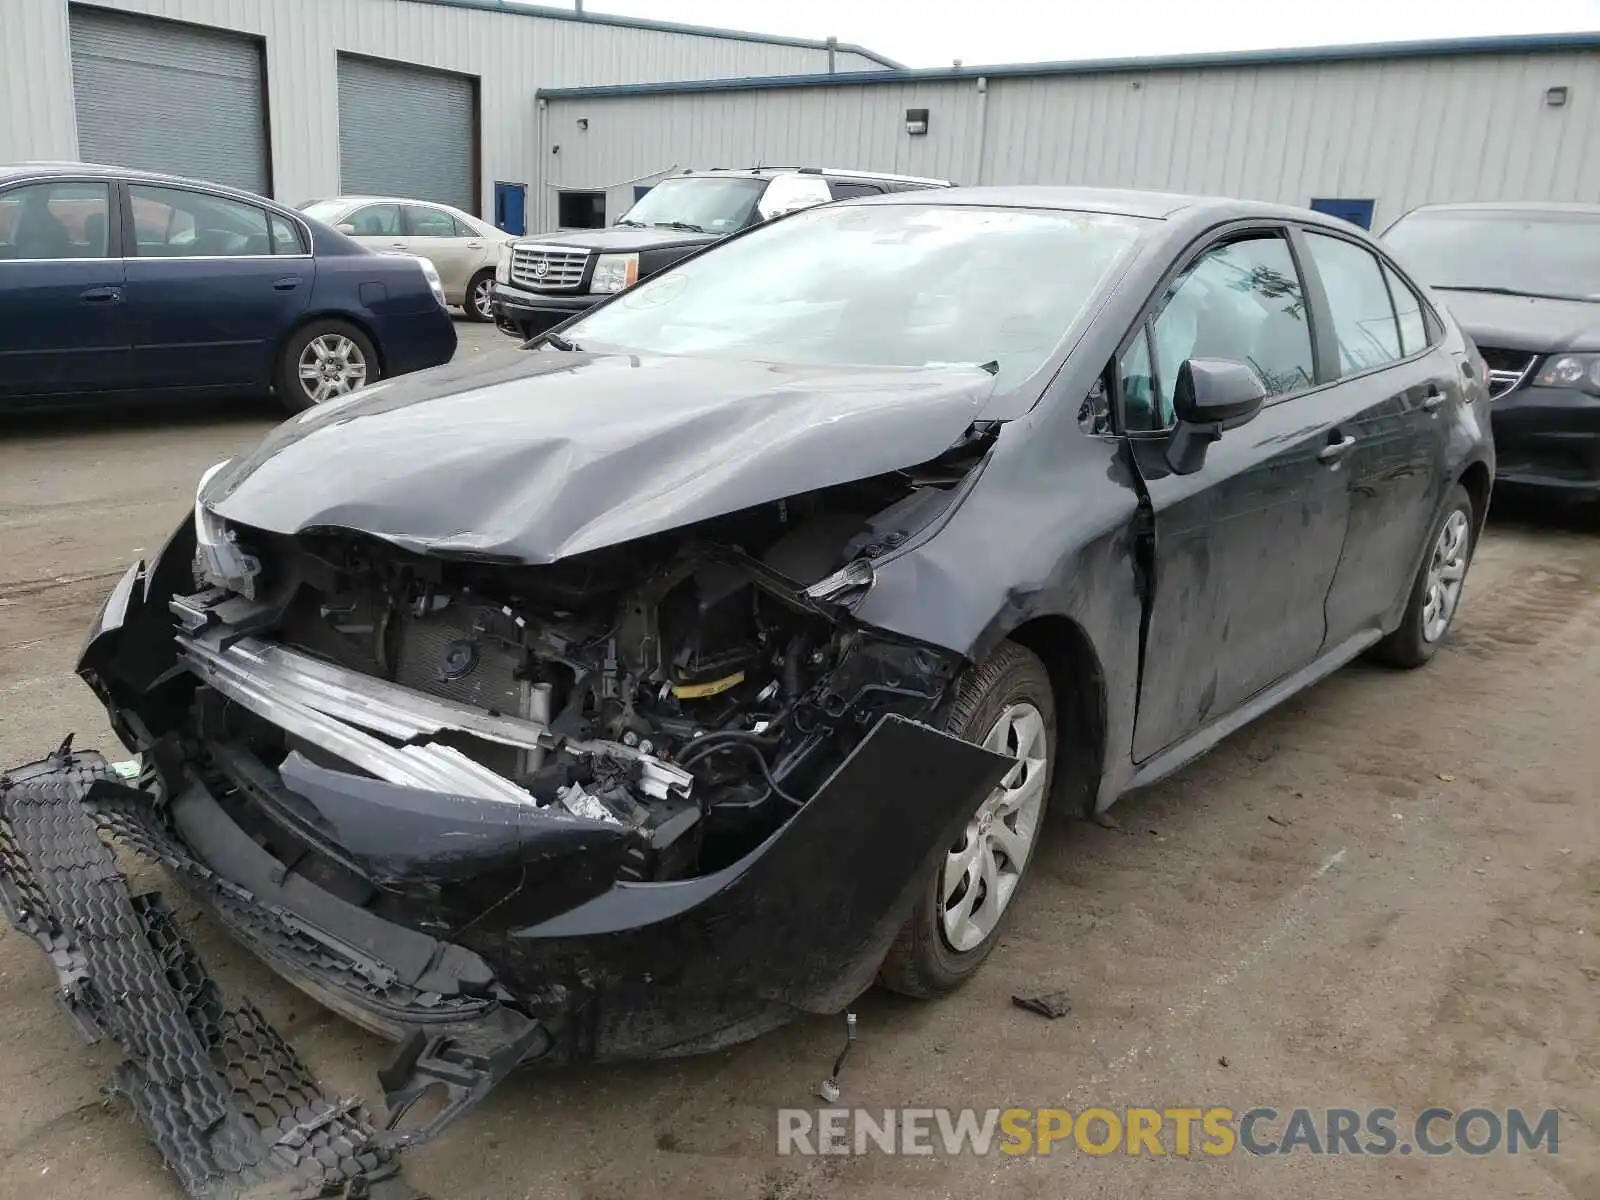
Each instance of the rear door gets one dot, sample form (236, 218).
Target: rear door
(454, 250)
(63, 324)
(213, 285)
(1245, 549)
(1391, 403)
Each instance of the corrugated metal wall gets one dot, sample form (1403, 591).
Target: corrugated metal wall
(1401, 131)
(36, 117)
(513, 55)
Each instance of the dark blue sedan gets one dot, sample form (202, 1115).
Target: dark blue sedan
(116, 281)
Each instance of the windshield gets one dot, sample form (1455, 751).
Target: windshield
(708, 205)
(1529, 253)
(326, 211)
(880, 285)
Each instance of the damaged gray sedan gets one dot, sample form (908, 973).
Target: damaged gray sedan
(725, 650)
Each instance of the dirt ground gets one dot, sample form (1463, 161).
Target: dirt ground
(1387, 893)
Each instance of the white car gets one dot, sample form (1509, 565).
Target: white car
(463, 249)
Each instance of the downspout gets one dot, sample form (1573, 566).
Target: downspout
(983, 129)
(833, 50)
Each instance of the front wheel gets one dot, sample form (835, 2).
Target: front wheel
(1436, 590)
(322, 361)
(1005, 705)
(479, 304)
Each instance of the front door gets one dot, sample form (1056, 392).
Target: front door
(210, 290)
(1245, 549)
(63, 324)
(1392, 404)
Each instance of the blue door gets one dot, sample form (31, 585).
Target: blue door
(1357, 212)
(511, 207)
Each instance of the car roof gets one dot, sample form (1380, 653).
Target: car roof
(1512, 206)
(840, 173)
(12, 172)
(1127, 202)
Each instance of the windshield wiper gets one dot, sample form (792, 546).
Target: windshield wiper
(1505, 291)
(632, 224)
(689, 226)
(559, 342)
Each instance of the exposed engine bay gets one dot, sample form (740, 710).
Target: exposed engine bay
(693, 688)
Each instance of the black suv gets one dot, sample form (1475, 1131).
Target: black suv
(1523, 280)
(545, 279)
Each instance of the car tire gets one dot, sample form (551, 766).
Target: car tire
(1451, 541)
(476, 306)
(930, 958)
(338, 337)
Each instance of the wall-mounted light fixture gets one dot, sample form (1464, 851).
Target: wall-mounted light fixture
(1555, 97)
(916, 121)
(583, 122)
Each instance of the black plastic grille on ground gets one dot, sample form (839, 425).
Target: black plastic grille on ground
(231, 1109)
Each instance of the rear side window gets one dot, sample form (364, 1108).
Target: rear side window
(429, 222)
(286, 237)
(54, 220)
(175, 223)
(849, 190)
(1408, 311)
(1364, 324)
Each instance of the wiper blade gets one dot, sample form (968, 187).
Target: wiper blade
(685, 225)
(559, 342)
(1505, 291)
(632, 224)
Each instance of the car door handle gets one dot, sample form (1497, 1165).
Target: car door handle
(101, 295)
(1433, 400)
(1333, 453)
(474, 245)
(287, 284)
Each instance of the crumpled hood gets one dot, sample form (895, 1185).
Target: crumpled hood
(1525, 322)
(538, 455)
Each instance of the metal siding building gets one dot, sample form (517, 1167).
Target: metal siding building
(1399, 125)
(510, 51)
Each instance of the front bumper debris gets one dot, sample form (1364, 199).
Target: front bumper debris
(227, 1103)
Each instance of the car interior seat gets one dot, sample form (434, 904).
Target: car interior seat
(94, 232)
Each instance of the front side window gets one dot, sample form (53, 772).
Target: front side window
(1242, 301)
(173, 223)
(843, 189)
(1364, 326)
(54, 221)
(375, 220)
(1141, 410)
(698, 205)
(429, 222)
(884, 285)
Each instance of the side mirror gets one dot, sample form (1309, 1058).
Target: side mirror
(345, 227)
(1210, 396)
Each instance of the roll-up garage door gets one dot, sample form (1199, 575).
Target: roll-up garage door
(161, 96)
(407, 131)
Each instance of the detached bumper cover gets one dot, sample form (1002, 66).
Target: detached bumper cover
(227, 1103)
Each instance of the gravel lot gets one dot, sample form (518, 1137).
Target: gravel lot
(1385, 894)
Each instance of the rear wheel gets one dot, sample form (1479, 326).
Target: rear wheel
(1007, 705)
(479, 303)
(1436, 590)
(322, 361)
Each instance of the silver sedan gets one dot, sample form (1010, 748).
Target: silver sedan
(464, 249)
